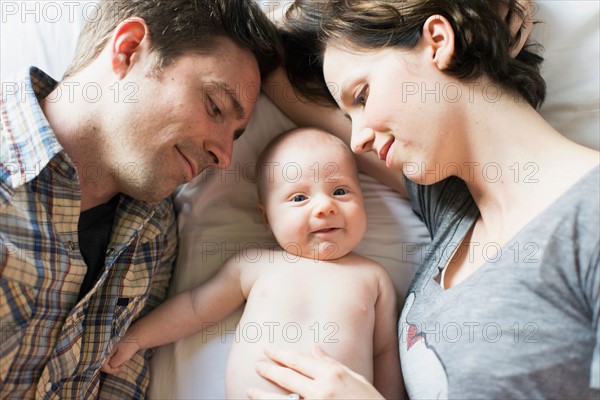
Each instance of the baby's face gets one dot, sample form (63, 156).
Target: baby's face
(313, 200)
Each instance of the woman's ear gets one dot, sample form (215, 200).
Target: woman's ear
(263, 216)
(127, 44)
(439, 36)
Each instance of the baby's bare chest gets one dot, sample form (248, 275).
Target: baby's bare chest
(314, 304)
(299, 309)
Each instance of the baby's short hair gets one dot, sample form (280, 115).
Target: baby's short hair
(266, 155)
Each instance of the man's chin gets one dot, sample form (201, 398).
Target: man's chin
(150, 196)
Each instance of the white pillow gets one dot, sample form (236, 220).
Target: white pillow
(570, 33)
(219, 214)
(218, 217)
(41, 33)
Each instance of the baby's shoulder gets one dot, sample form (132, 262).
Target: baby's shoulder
(261, 260)
(364, 264)
(361, 261)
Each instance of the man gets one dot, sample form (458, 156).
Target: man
(157, 92)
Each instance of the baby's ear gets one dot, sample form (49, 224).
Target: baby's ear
(263, 215)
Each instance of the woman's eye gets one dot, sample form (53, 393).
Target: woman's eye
(361, 99)
(298, 198)
(340, 192)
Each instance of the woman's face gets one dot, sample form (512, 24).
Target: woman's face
(396, 102)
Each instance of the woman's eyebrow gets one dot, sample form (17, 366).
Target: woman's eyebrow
(346, 87)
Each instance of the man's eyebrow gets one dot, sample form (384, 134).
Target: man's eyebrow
(238, 133)
(239, 110)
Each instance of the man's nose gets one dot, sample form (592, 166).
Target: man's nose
(221, 151)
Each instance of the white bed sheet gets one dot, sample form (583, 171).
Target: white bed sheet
(218, 217)
(218, 214)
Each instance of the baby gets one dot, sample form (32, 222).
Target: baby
(311, 290)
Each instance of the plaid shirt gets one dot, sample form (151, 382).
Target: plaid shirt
(51, 345)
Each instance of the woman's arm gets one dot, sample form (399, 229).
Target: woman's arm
(304, 112)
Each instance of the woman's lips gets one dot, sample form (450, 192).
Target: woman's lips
(384, 150)
(390, 154)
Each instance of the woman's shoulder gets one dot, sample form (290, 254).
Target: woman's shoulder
(581, 196)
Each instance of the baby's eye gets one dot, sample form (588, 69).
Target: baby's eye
(340, 192)
(298, 198)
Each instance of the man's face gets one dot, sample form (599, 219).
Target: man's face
(180, 122)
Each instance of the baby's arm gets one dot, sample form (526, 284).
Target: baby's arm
(185, 313)
(386, 361)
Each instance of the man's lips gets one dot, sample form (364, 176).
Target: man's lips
(191, 165)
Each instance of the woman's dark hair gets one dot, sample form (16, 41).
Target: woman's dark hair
(303, 50)
(483, 40)
(482, 36)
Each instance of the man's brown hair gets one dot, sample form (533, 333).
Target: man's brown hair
(178, 27)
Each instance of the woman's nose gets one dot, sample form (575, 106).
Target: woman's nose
(362, 137)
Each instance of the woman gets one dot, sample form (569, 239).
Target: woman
(507, 303)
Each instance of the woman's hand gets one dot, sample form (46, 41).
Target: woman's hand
(315, 376)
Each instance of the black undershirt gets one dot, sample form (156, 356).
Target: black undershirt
(95, 227)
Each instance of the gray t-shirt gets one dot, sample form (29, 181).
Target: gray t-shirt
(524, 325)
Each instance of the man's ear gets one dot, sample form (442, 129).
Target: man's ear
(263, 215)
(439, 36)
(127, 42)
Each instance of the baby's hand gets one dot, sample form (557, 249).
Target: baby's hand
(122, 353)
